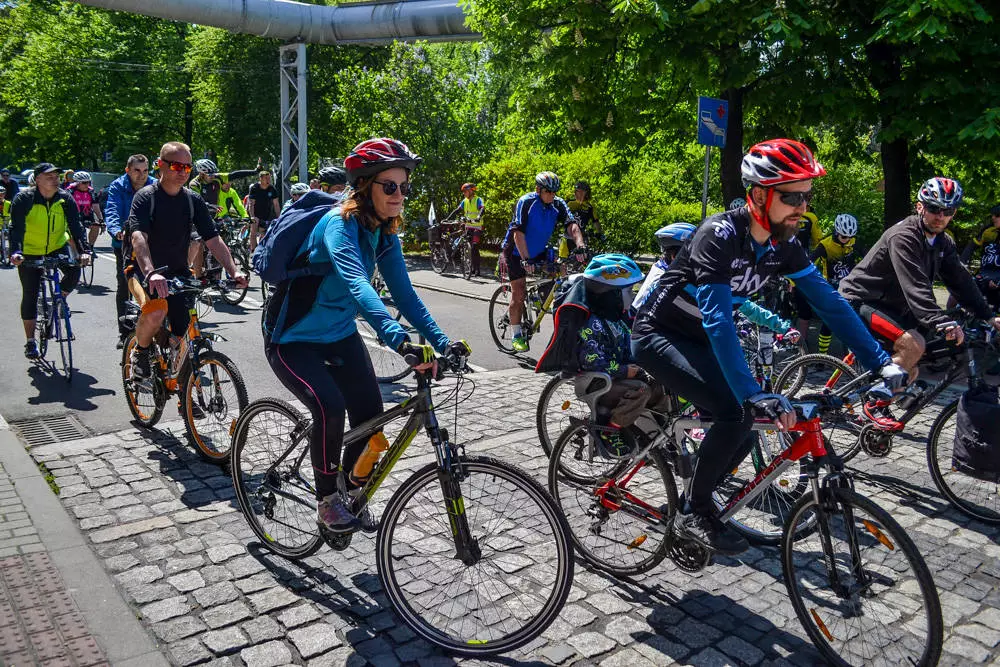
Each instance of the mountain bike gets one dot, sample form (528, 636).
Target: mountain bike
(450, 245)
(540, 294)
(472, 553)
(53, 315)
(857, 583)
(229, 231)
(977, 497)
(209, 386)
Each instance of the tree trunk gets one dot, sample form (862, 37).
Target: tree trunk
(732, 152)
(188, 113)
(885, 71)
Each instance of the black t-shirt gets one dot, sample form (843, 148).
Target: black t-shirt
(11, 188)
(169, 230)
(721, 252)
(262, 198)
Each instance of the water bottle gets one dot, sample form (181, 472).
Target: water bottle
(369, 457)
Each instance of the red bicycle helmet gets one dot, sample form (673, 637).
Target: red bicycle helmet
(941, 191)
(370, 157)
(778, 161)
(468, 186)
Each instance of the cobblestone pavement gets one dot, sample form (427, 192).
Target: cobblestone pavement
(167, 527)
(39, 622)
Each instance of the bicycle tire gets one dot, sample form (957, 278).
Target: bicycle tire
(42, 317)
(87, 272)
(439, 258)
(4, 246)
(265, 290)
(880, 532)
(64, 334)
(393, 554)
(252, 468)
(211, 434)
(843, 431)
(146, 412)
(500, 327)
(642, 542)
(552, 418)
(236, 295)
(465, 259)
(950, 481)
(389, 365)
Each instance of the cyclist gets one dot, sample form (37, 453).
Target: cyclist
(585, 213)
(67, 179)
(229, 204)
(264, 206)
(314, 346)
(892, 288)
(297, 190)
(120, 194)
(836, 255)
(332, 180)
(988, 276)
(314, 184)
(209, 184)
(472, 208)
(9, 184)
(44, 220)
(4, 205)
(809, 235)
(536, 215)
(159, 227)
(86, 204)
(684, 334)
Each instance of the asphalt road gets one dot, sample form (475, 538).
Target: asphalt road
(95, 397)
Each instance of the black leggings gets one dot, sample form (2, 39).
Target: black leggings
(31, 280)
(689, 368)
(330, 378)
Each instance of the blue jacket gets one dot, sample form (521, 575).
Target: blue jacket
(354, 252)
(119, 204)
(537, 221)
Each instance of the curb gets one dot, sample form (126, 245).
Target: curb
(109, 619)
(445, 290)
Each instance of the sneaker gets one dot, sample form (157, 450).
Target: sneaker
(121, 343)
(520, 344)
(141, 365)
(611, 444)
(31, 350)
(369, 524)
(878, 412)
(712, 534)
(334, 516)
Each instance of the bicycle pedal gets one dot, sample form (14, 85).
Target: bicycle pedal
(336, 541)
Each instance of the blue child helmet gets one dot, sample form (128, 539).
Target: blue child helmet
(674, 235)
(613, 270)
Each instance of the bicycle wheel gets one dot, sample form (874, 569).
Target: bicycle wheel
(389, 365)
(882, 607)
(439, 258)
(627, 534)
(43, 322)
(814, 374)
(145, 398)
(762, 520)
(465, 259)
(500, 327)
(64, 334)
(265, 290)
(212, 397)
(977, 496)
(87, 272)
(4, 247)
(556, 404)
(514, 589)
(203, 305)
(235, 295)
(273, 477)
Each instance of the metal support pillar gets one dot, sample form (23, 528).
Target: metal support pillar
(294, 147)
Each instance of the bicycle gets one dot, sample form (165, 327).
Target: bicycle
(846, 562)
(453, 522)
(53, 314)
(450, 246)
(4, 241)
(87, 272)
(539, 297)
(229, 230)
(974, 496)
(388, 364)
(209, 386)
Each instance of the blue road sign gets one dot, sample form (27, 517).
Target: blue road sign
(713, 116)
(107, 156)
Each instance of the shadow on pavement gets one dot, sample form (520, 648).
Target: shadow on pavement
(200, 483)
(53, 388)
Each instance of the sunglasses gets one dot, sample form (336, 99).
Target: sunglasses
(939, 210)
(177, 166)
(794, 198)
(390, 187)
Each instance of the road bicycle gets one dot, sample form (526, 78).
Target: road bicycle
(87, 272)
(449, 244)
(209, 386)
(859, 587)
(52, 322)
(472, 553)
(975, 495)
(540, 295)
(4, 240)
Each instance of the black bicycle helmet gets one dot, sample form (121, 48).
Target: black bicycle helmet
(332, 176)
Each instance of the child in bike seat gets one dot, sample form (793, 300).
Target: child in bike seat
(592, 334)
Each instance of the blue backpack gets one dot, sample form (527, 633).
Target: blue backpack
(277, 256)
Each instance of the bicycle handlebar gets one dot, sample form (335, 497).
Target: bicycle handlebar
(453, 363)
(50, 263)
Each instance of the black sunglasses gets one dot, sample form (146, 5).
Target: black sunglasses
(389, 187)
(794, 198)
(938, 210)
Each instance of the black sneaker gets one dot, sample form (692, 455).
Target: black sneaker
(711, 534)
(121, 342)
(141, 366)
(31, 350)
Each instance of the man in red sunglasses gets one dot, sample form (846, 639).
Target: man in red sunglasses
(892, 288)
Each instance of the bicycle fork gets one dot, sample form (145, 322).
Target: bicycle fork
(450, 474)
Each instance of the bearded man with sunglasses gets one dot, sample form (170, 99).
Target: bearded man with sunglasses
(685, 337)
(892, 288)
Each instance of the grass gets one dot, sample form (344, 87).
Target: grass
(50, 479)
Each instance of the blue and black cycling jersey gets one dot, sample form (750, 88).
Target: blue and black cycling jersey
(718, 271)
(537, 221)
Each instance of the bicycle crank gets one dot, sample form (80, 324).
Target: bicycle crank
(336, 541)
(689, 556)
(876, 442)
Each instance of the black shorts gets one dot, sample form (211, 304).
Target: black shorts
(515, 265)
(886, 324)
(802, 307)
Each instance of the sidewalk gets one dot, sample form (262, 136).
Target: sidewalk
(423, 276)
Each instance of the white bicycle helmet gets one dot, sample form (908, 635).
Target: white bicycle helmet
(206, 167)
(299, 188)
(942, 192)
(547, 180)
(739, 202)
(82, 177)
(845, 224)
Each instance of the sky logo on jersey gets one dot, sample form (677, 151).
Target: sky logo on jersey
(748, 283)
(724, 229)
